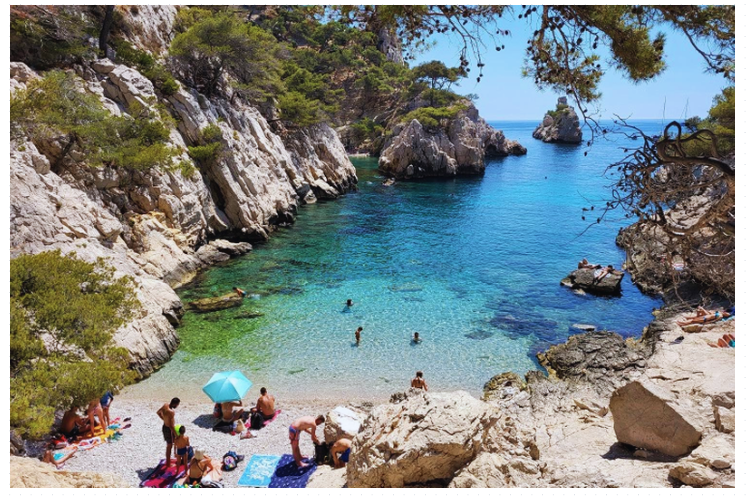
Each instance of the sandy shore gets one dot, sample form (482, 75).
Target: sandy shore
(142, 446)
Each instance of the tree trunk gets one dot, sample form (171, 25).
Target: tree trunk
(106, 29)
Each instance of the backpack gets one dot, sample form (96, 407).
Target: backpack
(257, 421)
(230, 460)
(323, 454)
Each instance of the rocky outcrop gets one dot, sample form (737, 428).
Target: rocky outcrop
(210, 304)
(446, 438)
(647, 416)
(602, 358)
(457, 146)
(31, 473)
(342, 422)
(585, 279)
(161, 227)
(560, 126)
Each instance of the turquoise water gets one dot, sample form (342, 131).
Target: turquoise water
(473, 264)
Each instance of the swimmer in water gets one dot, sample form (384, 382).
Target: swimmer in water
(416, 338)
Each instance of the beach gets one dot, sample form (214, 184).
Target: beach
(141, 447)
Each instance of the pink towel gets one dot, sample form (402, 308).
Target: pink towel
(267, 422)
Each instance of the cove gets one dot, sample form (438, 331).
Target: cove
(472, 264)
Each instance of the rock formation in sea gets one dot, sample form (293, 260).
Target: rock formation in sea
(455, 146)
(560, 126)
(585, 279)
(161, 227)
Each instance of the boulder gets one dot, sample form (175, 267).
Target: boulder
(342, 422)
(31, 473)
(210, 304)
(692, 474)
(725, 419)
(647, 416)
(560, 126)
(602, 357)
(585, 279)
(17, 446)
(716, 451)
(503, 386)
(420, 437)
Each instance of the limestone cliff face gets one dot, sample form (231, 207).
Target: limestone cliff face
(458, 147)
(161, 227)
(560, 126)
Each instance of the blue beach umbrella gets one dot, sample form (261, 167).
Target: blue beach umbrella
(227, 386)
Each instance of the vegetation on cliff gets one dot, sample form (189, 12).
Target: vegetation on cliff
(63, 312)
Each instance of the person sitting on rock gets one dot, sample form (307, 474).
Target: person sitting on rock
(240, 292)
(600, 274)
(341, 452)
(419, 381)
(702, 319)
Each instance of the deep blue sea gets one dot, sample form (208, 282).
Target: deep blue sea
(472, 264)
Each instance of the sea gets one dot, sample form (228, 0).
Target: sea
(471, 263)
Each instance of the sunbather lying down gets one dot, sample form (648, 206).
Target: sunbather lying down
(704, 318)
(727, 341)
(58, 457)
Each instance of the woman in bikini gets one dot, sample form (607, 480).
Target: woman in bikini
(702, 319)
(198, 468)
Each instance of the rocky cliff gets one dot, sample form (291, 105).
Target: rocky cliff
(457, 146)
(159, 226)
(560, 126)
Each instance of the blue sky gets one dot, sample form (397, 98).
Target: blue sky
(684, 88)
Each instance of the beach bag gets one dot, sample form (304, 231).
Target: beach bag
(217, 412)
(323, 454)
(257, 421)
(238, 426)
(230, 460)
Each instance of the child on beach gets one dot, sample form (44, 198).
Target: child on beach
(182, 447)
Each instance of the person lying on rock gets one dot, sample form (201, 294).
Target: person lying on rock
(727, 341)
(709, 317)
(419, 381)
(304, 424)
(57, 457)
(585, 264)
(341, 452)
(240, 292)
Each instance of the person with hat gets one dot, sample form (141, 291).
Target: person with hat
(199, 466)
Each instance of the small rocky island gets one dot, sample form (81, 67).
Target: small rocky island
(561, 125)
(596, 280)
(444, 146)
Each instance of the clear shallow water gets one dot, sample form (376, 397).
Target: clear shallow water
(453, 259)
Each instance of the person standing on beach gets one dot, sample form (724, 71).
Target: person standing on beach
(304, 424)
(167, 414)
(95, 411)
(419, 381)
(106, 400)
(357, 336)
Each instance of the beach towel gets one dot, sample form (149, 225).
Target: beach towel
(274, 417)
(288, 475)
(162, 476)
(259, 471)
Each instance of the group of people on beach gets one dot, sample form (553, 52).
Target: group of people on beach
(74, 426)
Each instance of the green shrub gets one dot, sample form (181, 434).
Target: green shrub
(299, 110)
(431, 117)
(79, 305)
(54, 107)
(210, 147)
(141, 60)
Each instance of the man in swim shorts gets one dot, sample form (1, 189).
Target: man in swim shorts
(341, 448)
(73, 425)
(167, 414)
(304, 424)
(265, 405)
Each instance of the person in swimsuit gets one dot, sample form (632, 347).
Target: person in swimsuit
(57, 457)
(341, 452)
(106, 400)
(95, 411)
(73, 425)
(167, 414)
(304, 424)
(198, 467)
(710, 317)
(265, 406)
(240, 292)
(419, 382)
(416, 338)
(357, 336)
(182, 447)
(228, 414)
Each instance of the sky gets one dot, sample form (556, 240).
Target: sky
(683, 90)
